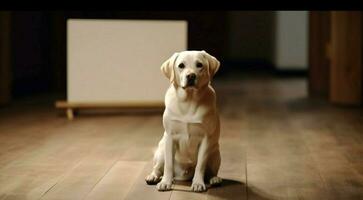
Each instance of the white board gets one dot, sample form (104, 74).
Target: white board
(118, 61)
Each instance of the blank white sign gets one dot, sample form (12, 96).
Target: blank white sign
(118, 61)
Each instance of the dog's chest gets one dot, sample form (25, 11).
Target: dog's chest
(188, 125)
(187, 137)
(186, 130)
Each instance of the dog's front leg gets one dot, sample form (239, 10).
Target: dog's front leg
(198, 184)
(166, 181)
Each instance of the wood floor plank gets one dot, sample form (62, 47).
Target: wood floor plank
(81, 179)
(117, 182)
(145, 141)
(28, 187)
(41, 169)
(278, 161)
(15, 143)
(334, 148)
(185, 193)
(140, 190)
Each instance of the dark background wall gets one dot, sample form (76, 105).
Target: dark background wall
(31, 65)
(251, 37)
(38, 42)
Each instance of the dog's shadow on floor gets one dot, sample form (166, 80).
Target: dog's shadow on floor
(228, 190)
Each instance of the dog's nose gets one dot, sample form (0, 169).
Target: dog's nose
(191, 76)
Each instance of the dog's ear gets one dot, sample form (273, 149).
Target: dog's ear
(168, 67)
(213, 63)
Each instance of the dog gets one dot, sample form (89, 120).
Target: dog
(189, 148)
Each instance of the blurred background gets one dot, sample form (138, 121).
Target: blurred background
(34, 44)
(33, 47)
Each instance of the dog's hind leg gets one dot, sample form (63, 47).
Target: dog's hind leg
(213, 165)
(155, 176)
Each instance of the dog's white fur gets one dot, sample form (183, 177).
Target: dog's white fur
(189, 148)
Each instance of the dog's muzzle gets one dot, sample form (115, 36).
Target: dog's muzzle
(191, 78)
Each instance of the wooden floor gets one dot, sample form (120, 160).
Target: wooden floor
(275, 144)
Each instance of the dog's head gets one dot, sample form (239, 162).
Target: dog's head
(190, 69)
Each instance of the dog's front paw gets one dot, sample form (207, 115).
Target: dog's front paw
(152, 179)
(164, 186)
(215, 181)
(198, 186)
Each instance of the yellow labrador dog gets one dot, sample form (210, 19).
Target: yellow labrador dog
(189, 148)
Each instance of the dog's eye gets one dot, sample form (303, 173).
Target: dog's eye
(199, 65)
(181, 66)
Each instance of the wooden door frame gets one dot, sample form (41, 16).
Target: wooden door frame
(335, 56)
